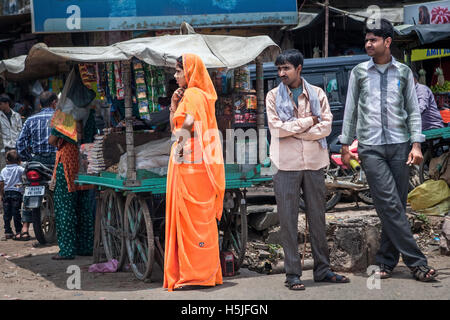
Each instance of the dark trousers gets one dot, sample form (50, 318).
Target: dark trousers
(12, 202)
(287, 187)
(388, 178)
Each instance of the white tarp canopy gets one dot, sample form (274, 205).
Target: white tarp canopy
(14, 65)
(216, 51)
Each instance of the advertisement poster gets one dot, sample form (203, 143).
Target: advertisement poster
(436, 12)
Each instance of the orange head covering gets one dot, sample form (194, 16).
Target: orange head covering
(199, 101)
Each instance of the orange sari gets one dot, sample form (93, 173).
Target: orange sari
(195, 188)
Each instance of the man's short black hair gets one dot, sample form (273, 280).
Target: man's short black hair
(292, 56)
(46, 98)
(381, 28)
(415, 74)
(5, 98)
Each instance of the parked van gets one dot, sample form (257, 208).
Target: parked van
(331, 74)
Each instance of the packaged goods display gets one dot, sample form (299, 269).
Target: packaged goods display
(141, 89)
(111, 79)
(120, 88)
(155, 79)
(242, 79)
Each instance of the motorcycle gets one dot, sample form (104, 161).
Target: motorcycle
(342, 180)
(38, 198)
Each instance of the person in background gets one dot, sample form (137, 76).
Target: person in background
(11, 195)
(33, 145)
(73, 208)
(431, 117)
(10, 122)
(383, 112)
(25, 109)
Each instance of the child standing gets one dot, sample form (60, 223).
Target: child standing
(11, 195)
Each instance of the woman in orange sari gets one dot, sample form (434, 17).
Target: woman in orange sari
(195, 181)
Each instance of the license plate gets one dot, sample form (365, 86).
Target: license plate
(34, 191)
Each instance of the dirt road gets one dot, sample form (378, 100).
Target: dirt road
(29, 273)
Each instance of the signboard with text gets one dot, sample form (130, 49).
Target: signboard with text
(437, 12)
(50, 16)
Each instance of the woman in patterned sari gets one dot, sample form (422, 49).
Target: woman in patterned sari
(195, 181)
(73, 210)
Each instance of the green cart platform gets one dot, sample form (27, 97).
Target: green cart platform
(130, 218)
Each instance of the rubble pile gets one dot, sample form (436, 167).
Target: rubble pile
(353, 239)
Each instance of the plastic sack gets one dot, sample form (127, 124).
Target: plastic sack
(440, 167)
(110, 266)
(36, 89)
(428, 194)
(153, 156)
(75, 97)
(441, 209)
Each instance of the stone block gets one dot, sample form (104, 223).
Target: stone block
(263, 220)
(274, 235)
(355, 243)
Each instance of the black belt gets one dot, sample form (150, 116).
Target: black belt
(12, 192)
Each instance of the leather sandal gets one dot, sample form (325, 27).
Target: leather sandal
(294, 283)
(424, 273)
(58, 257)
(23, 236)
(387, 270)
(334, 278)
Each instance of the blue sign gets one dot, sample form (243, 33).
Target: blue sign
(51, 16)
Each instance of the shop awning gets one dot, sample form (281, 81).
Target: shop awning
(426, 33)
(216, 51)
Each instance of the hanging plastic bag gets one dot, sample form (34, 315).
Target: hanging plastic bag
(36, 89)
(75, 97)
(428, 194)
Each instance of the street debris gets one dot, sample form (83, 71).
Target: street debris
(353, 240)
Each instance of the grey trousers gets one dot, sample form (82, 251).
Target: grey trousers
(287, 187)
(388, 178)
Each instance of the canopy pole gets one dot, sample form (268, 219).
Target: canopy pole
(260, 93)
(129, 135)
(327, 28)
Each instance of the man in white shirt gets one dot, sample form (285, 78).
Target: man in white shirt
(10, 126)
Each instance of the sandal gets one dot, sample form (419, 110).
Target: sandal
(7, 236)
(385, 271)
(23, 236)
(58, 257)
(334, 278)
(294, 283)
(424, 273)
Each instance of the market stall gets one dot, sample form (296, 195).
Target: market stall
(136, 74)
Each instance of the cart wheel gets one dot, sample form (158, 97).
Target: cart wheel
(48, 224)
(234, 227)
(112, 227)
(139, 239)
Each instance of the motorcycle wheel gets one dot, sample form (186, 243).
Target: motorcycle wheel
(48, 223)
(332, 199)
(38, 233)
(365, 197)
